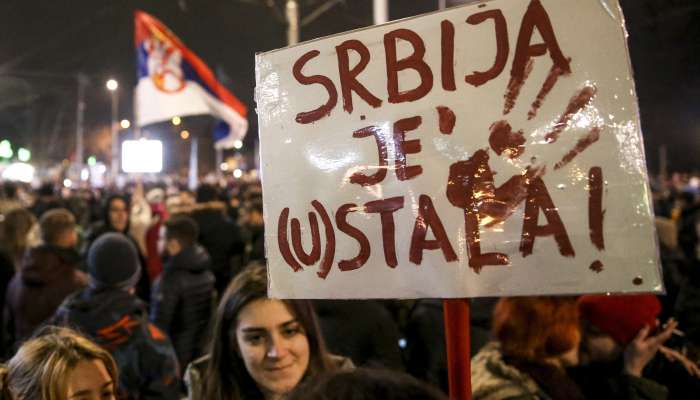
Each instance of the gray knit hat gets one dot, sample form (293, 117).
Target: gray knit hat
(113, 262)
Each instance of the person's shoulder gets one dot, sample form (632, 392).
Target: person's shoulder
(341, 363)
(200, 364)
(493, 378)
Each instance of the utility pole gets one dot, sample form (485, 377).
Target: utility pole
(663, 161)
(79, 129)
(292, 13)
(112, 86)
(381, 11)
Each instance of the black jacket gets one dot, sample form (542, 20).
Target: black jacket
(362, 330)
(118, 321)
(222, 239)
(182, 301)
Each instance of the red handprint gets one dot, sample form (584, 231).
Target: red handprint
(471, 186)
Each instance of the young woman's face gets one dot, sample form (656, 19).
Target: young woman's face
(89, 380)
(118, 214)
(273, 346)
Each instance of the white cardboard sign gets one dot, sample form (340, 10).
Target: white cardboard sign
(492, 149)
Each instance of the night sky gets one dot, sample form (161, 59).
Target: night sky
(44, 44)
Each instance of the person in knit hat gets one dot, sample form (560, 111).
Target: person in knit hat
(113, 262)
(108, 311)
(116, 218)
(621, 333)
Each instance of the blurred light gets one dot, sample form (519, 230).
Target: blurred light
(102, 168)
(176, 121)
(142, 155)
(402, 343)
(67, 183)
(23, 154)
(84, 174)
(237, 173)
(19, 172)
(125, 124)
(185, 134)
(6, 149)
(92, 161)
(112, 85)
(224, 166)
(238, 144)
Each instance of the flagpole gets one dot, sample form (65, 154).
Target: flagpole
(137, 125)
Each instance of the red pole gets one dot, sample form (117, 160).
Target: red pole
(456, 313)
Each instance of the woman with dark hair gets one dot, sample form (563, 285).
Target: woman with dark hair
(260, 348)
(115, 218)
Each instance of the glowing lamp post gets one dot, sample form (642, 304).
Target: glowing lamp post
(112, 86)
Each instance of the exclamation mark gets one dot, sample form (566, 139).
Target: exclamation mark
(596, 213)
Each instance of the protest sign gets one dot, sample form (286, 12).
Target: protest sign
(486, 150)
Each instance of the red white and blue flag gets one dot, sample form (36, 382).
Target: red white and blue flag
(174, 82)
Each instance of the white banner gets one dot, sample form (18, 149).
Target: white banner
(492, 149)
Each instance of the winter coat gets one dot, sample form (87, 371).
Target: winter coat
(118, 321)
(495, 378)
(221, 237)
(605, 381)
(183, 301)
(7, 271)
(197, 369)
(47, 275)
(426, 358)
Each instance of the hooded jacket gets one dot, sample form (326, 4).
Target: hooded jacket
(183, 300)
(47, 275)
(493, 377)
(221, 237)
(118, 321)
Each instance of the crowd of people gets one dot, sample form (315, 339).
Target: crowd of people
(153, 291)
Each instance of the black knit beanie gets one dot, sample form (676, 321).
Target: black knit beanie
(113, 262)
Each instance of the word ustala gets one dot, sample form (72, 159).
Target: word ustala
(470, 185)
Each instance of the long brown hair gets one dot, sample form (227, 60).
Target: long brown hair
(16, 227)
(40, 367)
(226, 377)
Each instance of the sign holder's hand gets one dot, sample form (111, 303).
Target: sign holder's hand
(644, 347)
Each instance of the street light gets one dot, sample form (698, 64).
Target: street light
(112, 86)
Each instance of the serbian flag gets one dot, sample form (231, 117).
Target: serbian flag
(174, 82)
